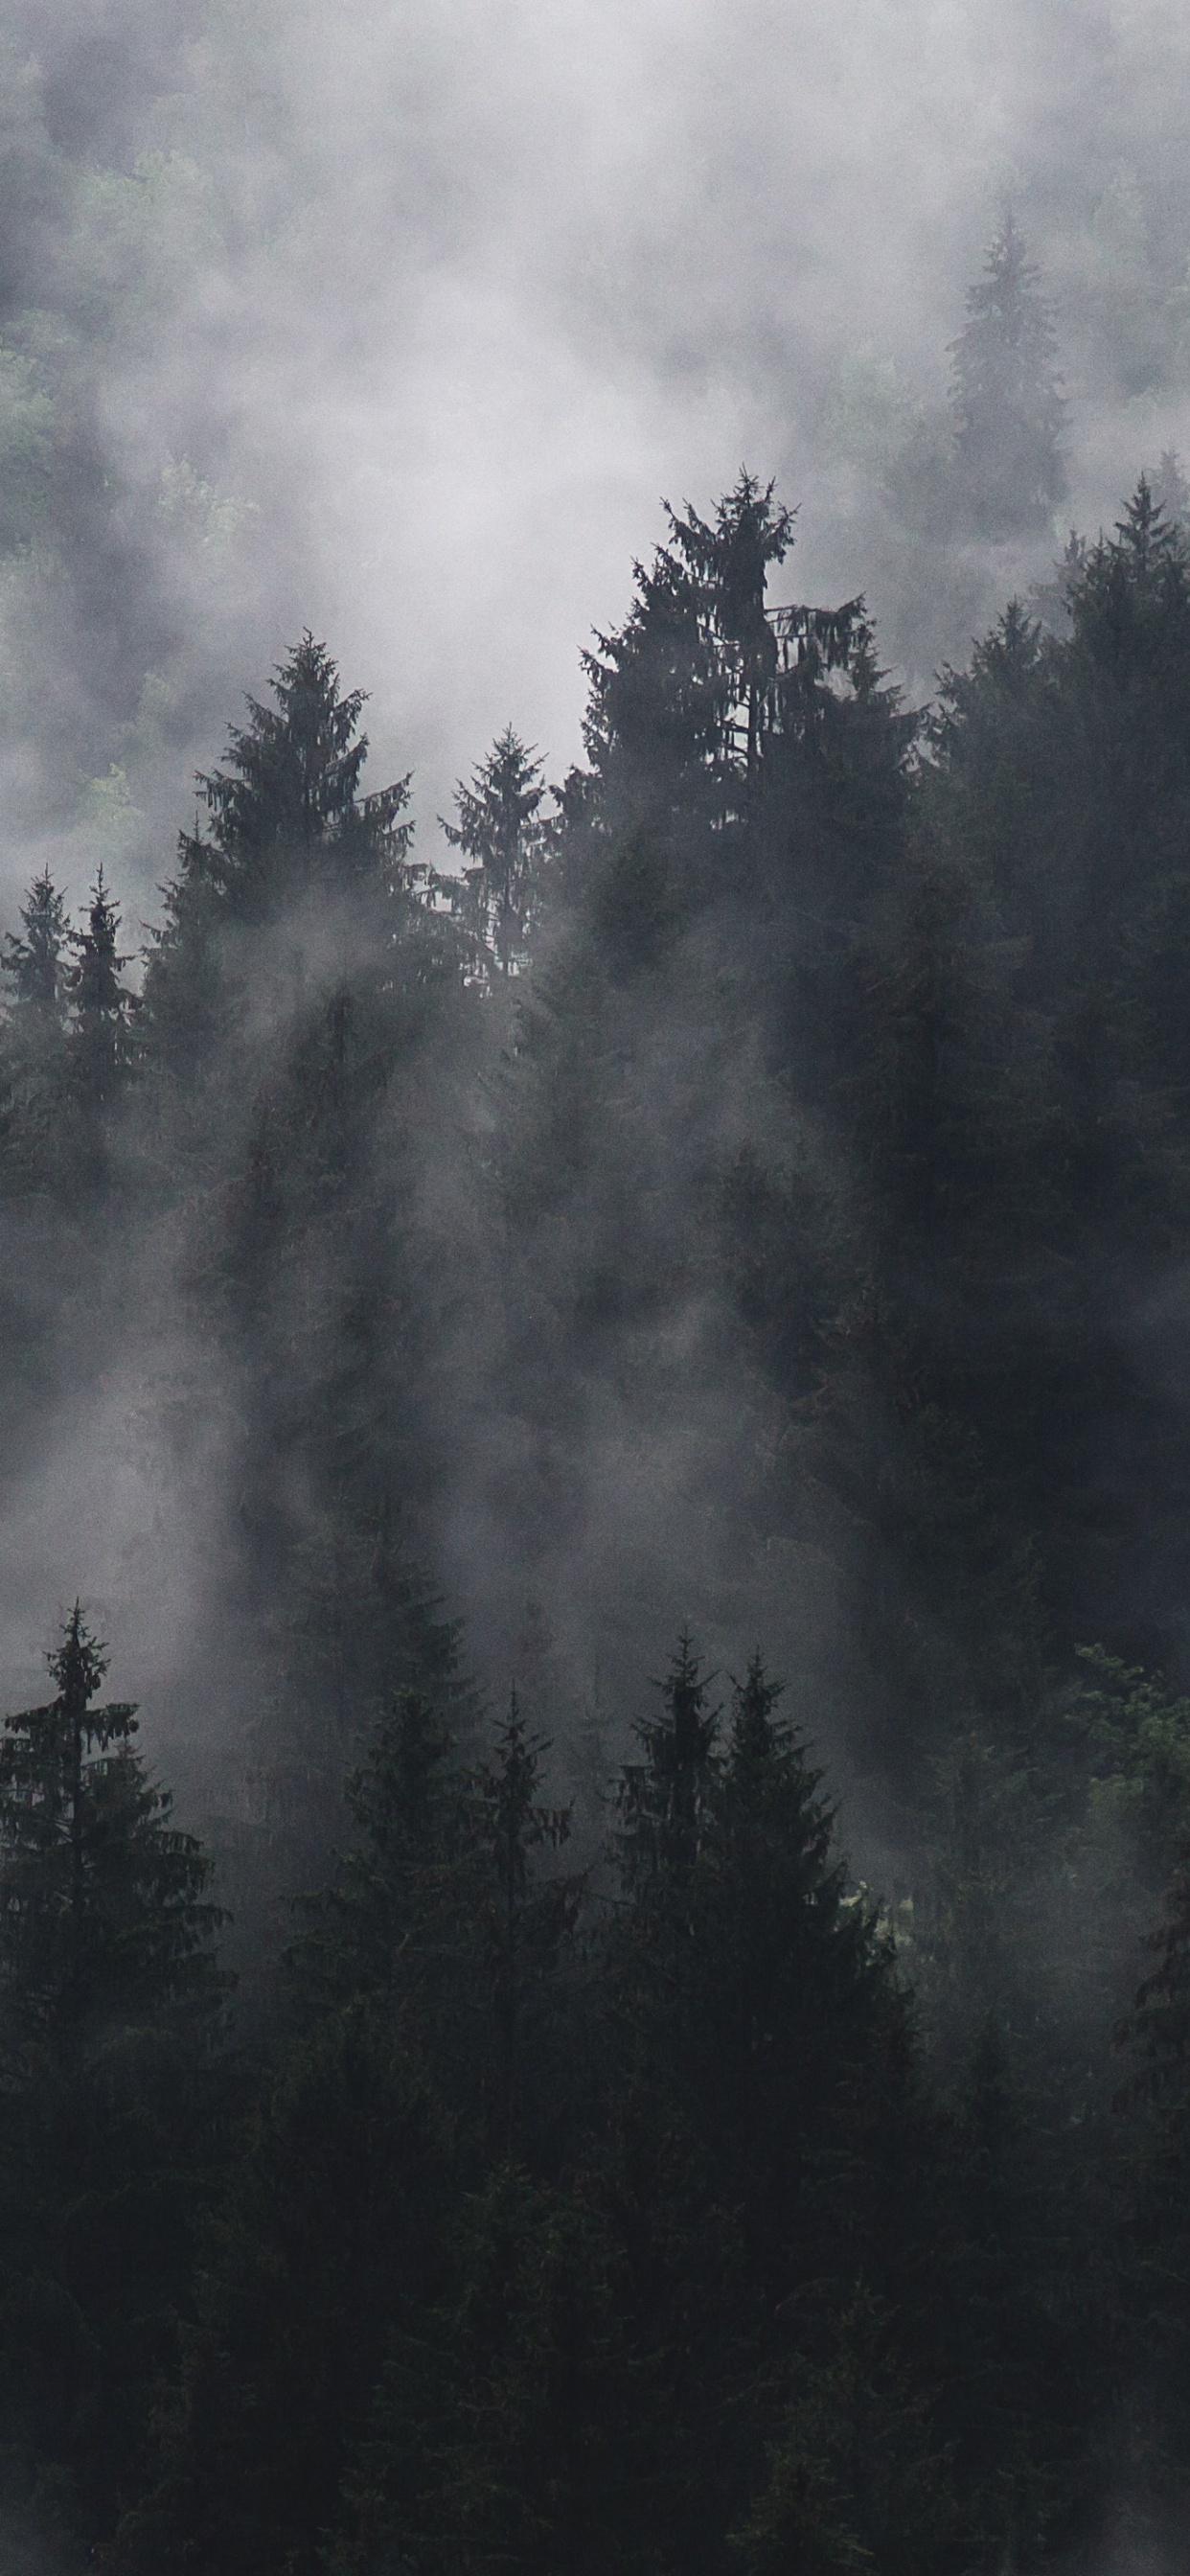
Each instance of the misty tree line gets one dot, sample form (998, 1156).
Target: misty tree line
(588, 2172)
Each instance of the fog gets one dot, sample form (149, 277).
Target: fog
(774, 1236)
(399, 324)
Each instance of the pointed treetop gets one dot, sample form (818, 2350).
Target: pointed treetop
(282, 817)
(101, 1005)
(754, 1737)
(79, 1666)
(1008, 275)
(661, 1798)
(508, 1786)
(294, 768)
(33, 964)
(749, 534)
(1171, 489)
(1148, 537)
(500, 830)
(704, 675)
(685, 1690)
(1008, 409)
(104, 1920)
(1130, 605)
(292, 785)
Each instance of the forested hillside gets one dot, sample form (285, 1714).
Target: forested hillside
(755, 1171)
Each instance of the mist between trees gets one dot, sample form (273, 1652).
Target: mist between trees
(728, 1222)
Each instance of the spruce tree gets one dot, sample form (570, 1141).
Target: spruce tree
(663, 1798)
(395, 1926)
(416, 2085)
(105, 1918)
(682, 697)
(50, 1838)
(752, 2039)
(33, 1041)
(1006, 402)
(101, 1007)
(285, 821)
(33, 963)
(523, 1920)
(292, 786)
(501, 833)
(732, 559)
(111, 2000)
(305, 1035)
(1171, 491)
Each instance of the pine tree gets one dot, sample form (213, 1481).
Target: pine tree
(501, 832)
(684, 697)
(101, 1007)
(511, 2427)
(662, 1799)
(388, 1925)
(794, 1987)
(33, 1040)
(284, 821)
(292, 785)
(857, 2476)
(305, 1036)
(1171, 491)
(1007, 406)
(104, 1910)
(752, 2036)
(732, 559)
(33, 963)
(418, 2071)
(111, 2000)
(523, 1922)
(330, 2237)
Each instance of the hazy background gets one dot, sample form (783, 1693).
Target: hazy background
(398, 321)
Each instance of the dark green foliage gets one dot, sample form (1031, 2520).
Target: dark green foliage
(392, 1895)
(416, 1994)
(1059, 790)
(757, 2111)
(507, 2428)
(286, 824)
(110, 2004)
(523, 1921)
(104, 1912)
(291, 794)
(766, 1185)
(857, 2476)
(327, 2236)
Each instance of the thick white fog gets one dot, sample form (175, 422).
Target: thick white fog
(398, 322)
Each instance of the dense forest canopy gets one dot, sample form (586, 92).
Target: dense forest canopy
(566, 2158)
(616, 1366)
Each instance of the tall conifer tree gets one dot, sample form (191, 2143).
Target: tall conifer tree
(1008, 409)
(507, 843)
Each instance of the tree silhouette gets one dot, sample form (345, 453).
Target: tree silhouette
(1006, 401)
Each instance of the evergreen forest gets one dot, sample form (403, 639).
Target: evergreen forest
(685, 2072)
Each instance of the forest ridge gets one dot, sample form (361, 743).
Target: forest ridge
(563, 2161)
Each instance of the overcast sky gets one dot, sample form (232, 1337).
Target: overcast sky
(451, 295)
